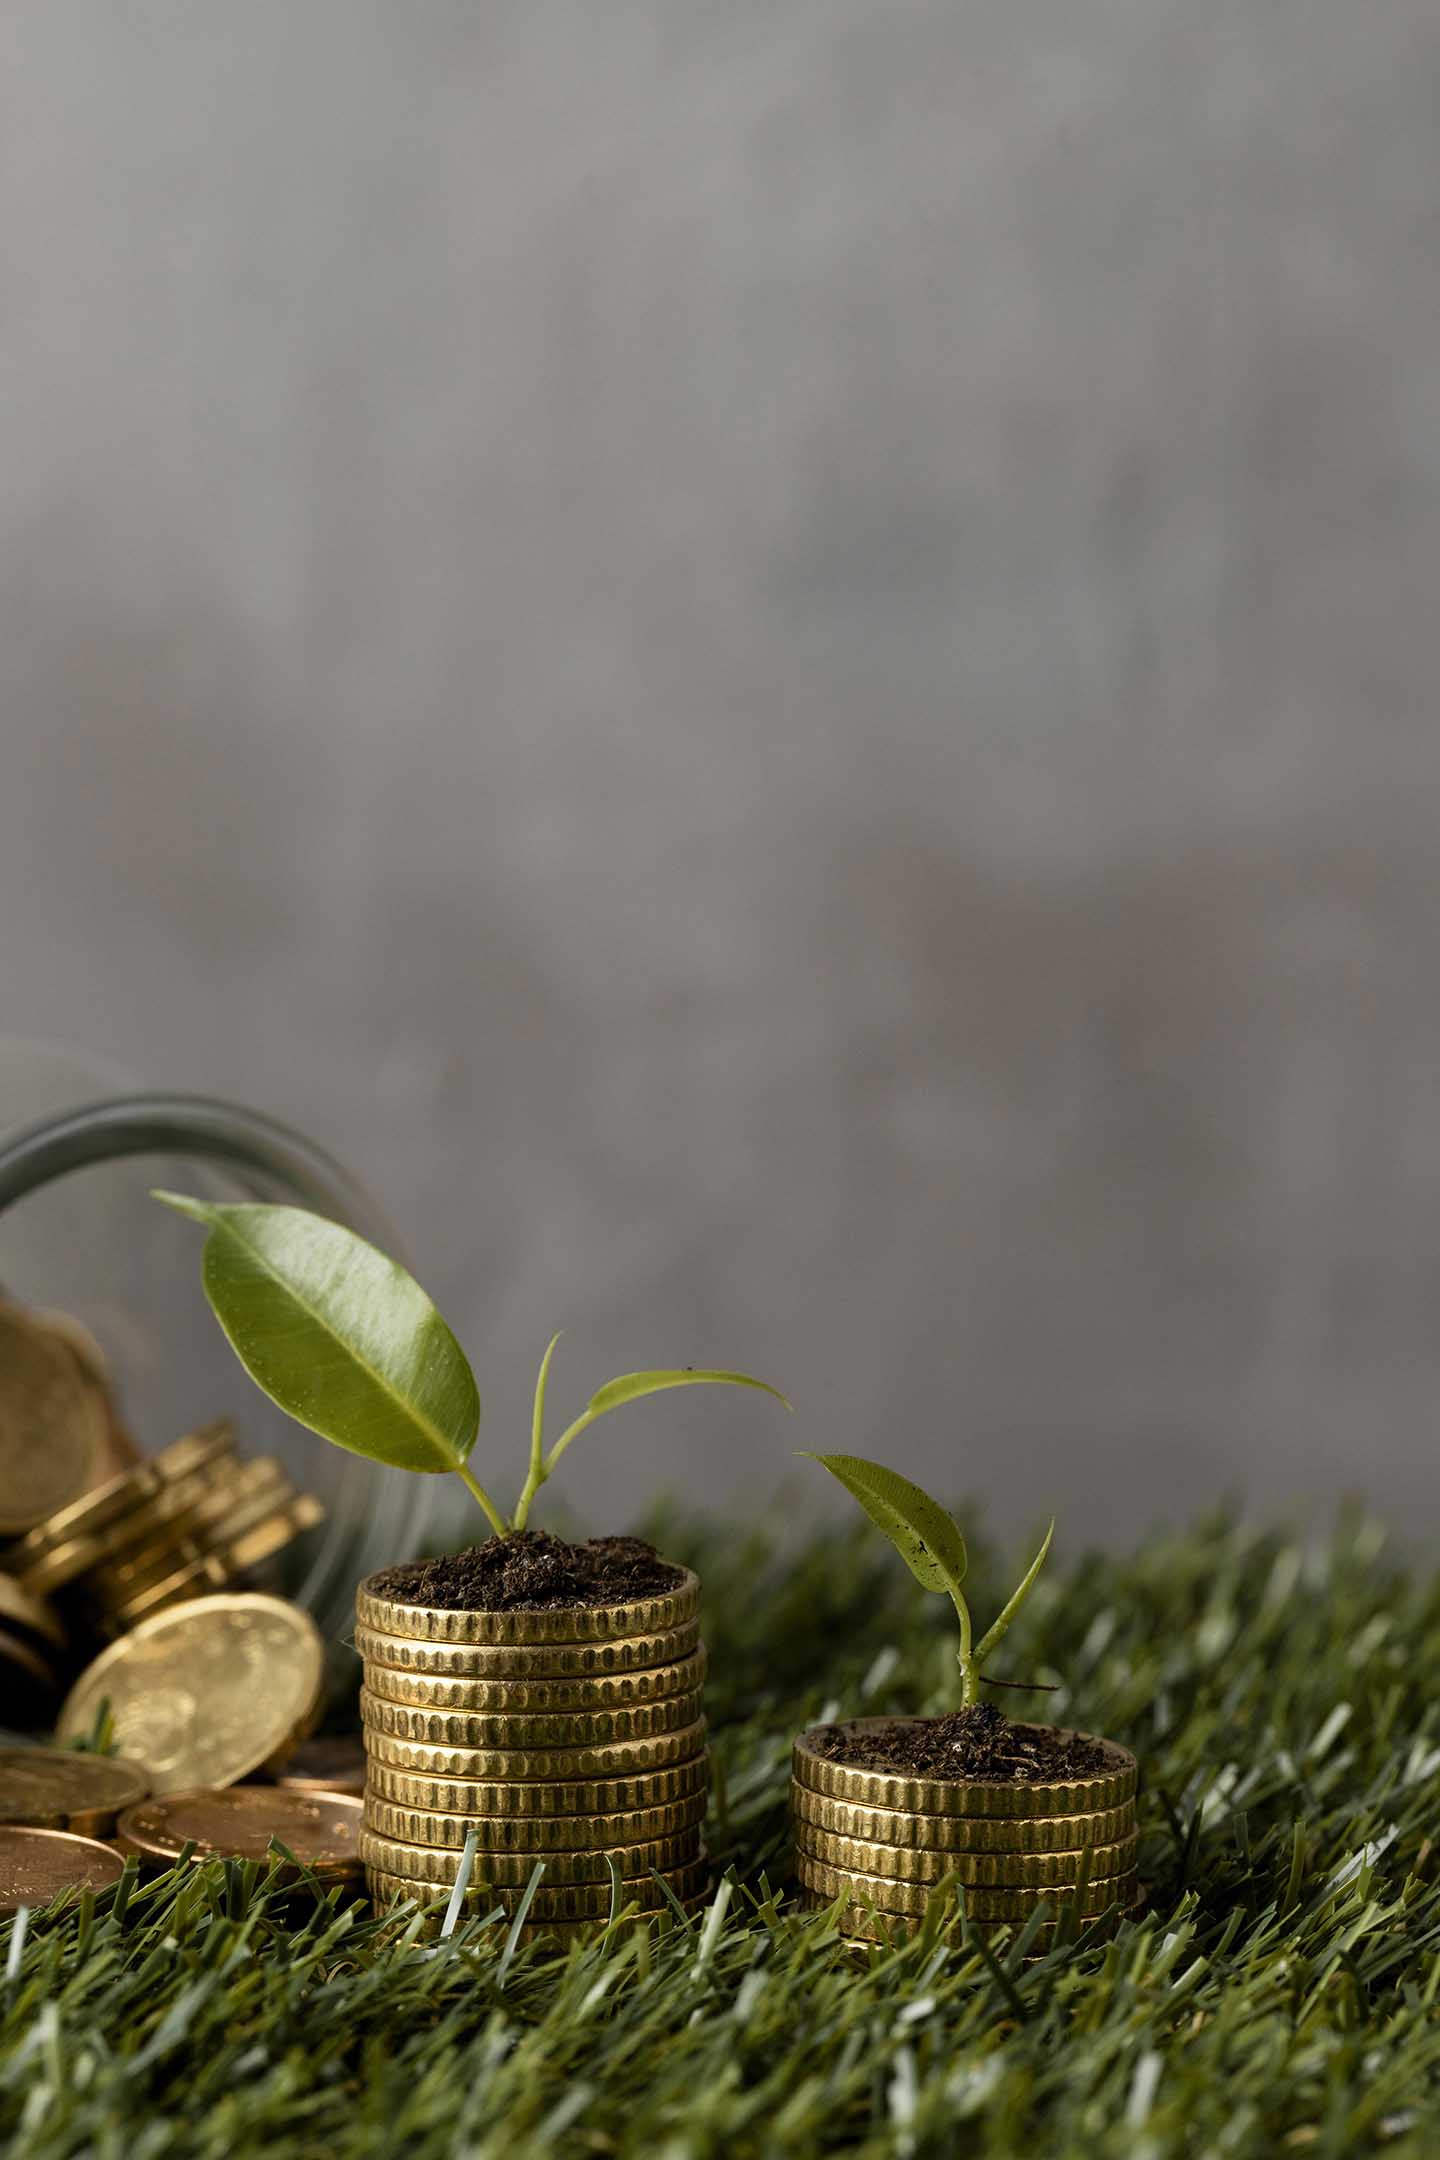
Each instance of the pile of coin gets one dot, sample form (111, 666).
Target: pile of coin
(567, 1740)
(883, 1842)
(93, 1539)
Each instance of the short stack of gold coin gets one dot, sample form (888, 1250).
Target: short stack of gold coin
(190, 1520)
(885, 1841)
(566, 1738)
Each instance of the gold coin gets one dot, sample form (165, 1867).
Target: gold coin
(535, 1834)
(241, 1822)
(962, 1833)
(431, 1899)
(220, 1568)
(614, 1758)
(887, 1896)
(67, 1789)
(544, 1661)
(20, 1608)
(97, 1510)
(548, 1698)
(964, 1796)
(36, 1865)
(208, 1692)
(192, 1515)
(512, 1870)
(52, 1427)
(525, 1628)
(599, 1796)
(486, 1729)
(899, 1863)
(552, 1901)
(333, 1763)
(863, 1928)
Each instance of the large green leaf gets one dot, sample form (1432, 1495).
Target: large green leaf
(926, 1538)
(340, 1337)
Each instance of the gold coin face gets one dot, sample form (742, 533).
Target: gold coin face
(547, 1799)
(36, 1865)
(962, 1833)
(242, 1822)
(914, 1864)
(526, 1628)
(615, 1758)
(65, 1789)
(536, 1835)
(551, 1901)
(512, 1871)
(333, 1763)
(883, 1895)
(968, 1796)
(539, 1661)
(53, 1429)
(537, 1729)
(207, 1692)
(540, 1698)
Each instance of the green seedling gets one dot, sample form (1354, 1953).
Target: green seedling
(932, 1546)
(347, 1343)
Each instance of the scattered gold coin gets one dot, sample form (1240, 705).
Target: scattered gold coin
(207, 1692)
(242, 1822)
(66, 1789)
(36, 1865)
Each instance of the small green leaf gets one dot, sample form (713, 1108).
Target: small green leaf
(631, 1386)
(340, 1337)
(926, 1538)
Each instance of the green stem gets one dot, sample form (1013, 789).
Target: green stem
(539, 1470)
(969, 1663)
(497, 1521)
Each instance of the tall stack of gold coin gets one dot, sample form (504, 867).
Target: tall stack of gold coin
(884, 1842)
(565, 1738)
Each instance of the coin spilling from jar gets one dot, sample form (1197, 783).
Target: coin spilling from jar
(97, 1538)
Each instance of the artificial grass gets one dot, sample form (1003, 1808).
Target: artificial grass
(1283, 1994)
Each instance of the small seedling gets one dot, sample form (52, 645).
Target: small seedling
(930, 1543)
(347, 1342)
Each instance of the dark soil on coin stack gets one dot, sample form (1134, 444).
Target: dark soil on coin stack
(979, 1744)
(533, 1572)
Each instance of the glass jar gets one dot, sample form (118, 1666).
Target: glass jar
(79, 1233)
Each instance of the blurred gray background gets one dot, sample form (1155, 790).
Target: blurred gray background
(778, 663)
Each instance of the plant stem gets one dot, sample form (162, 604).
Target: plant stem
(969, 1663)
(539, 1469)
(497, 1521)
